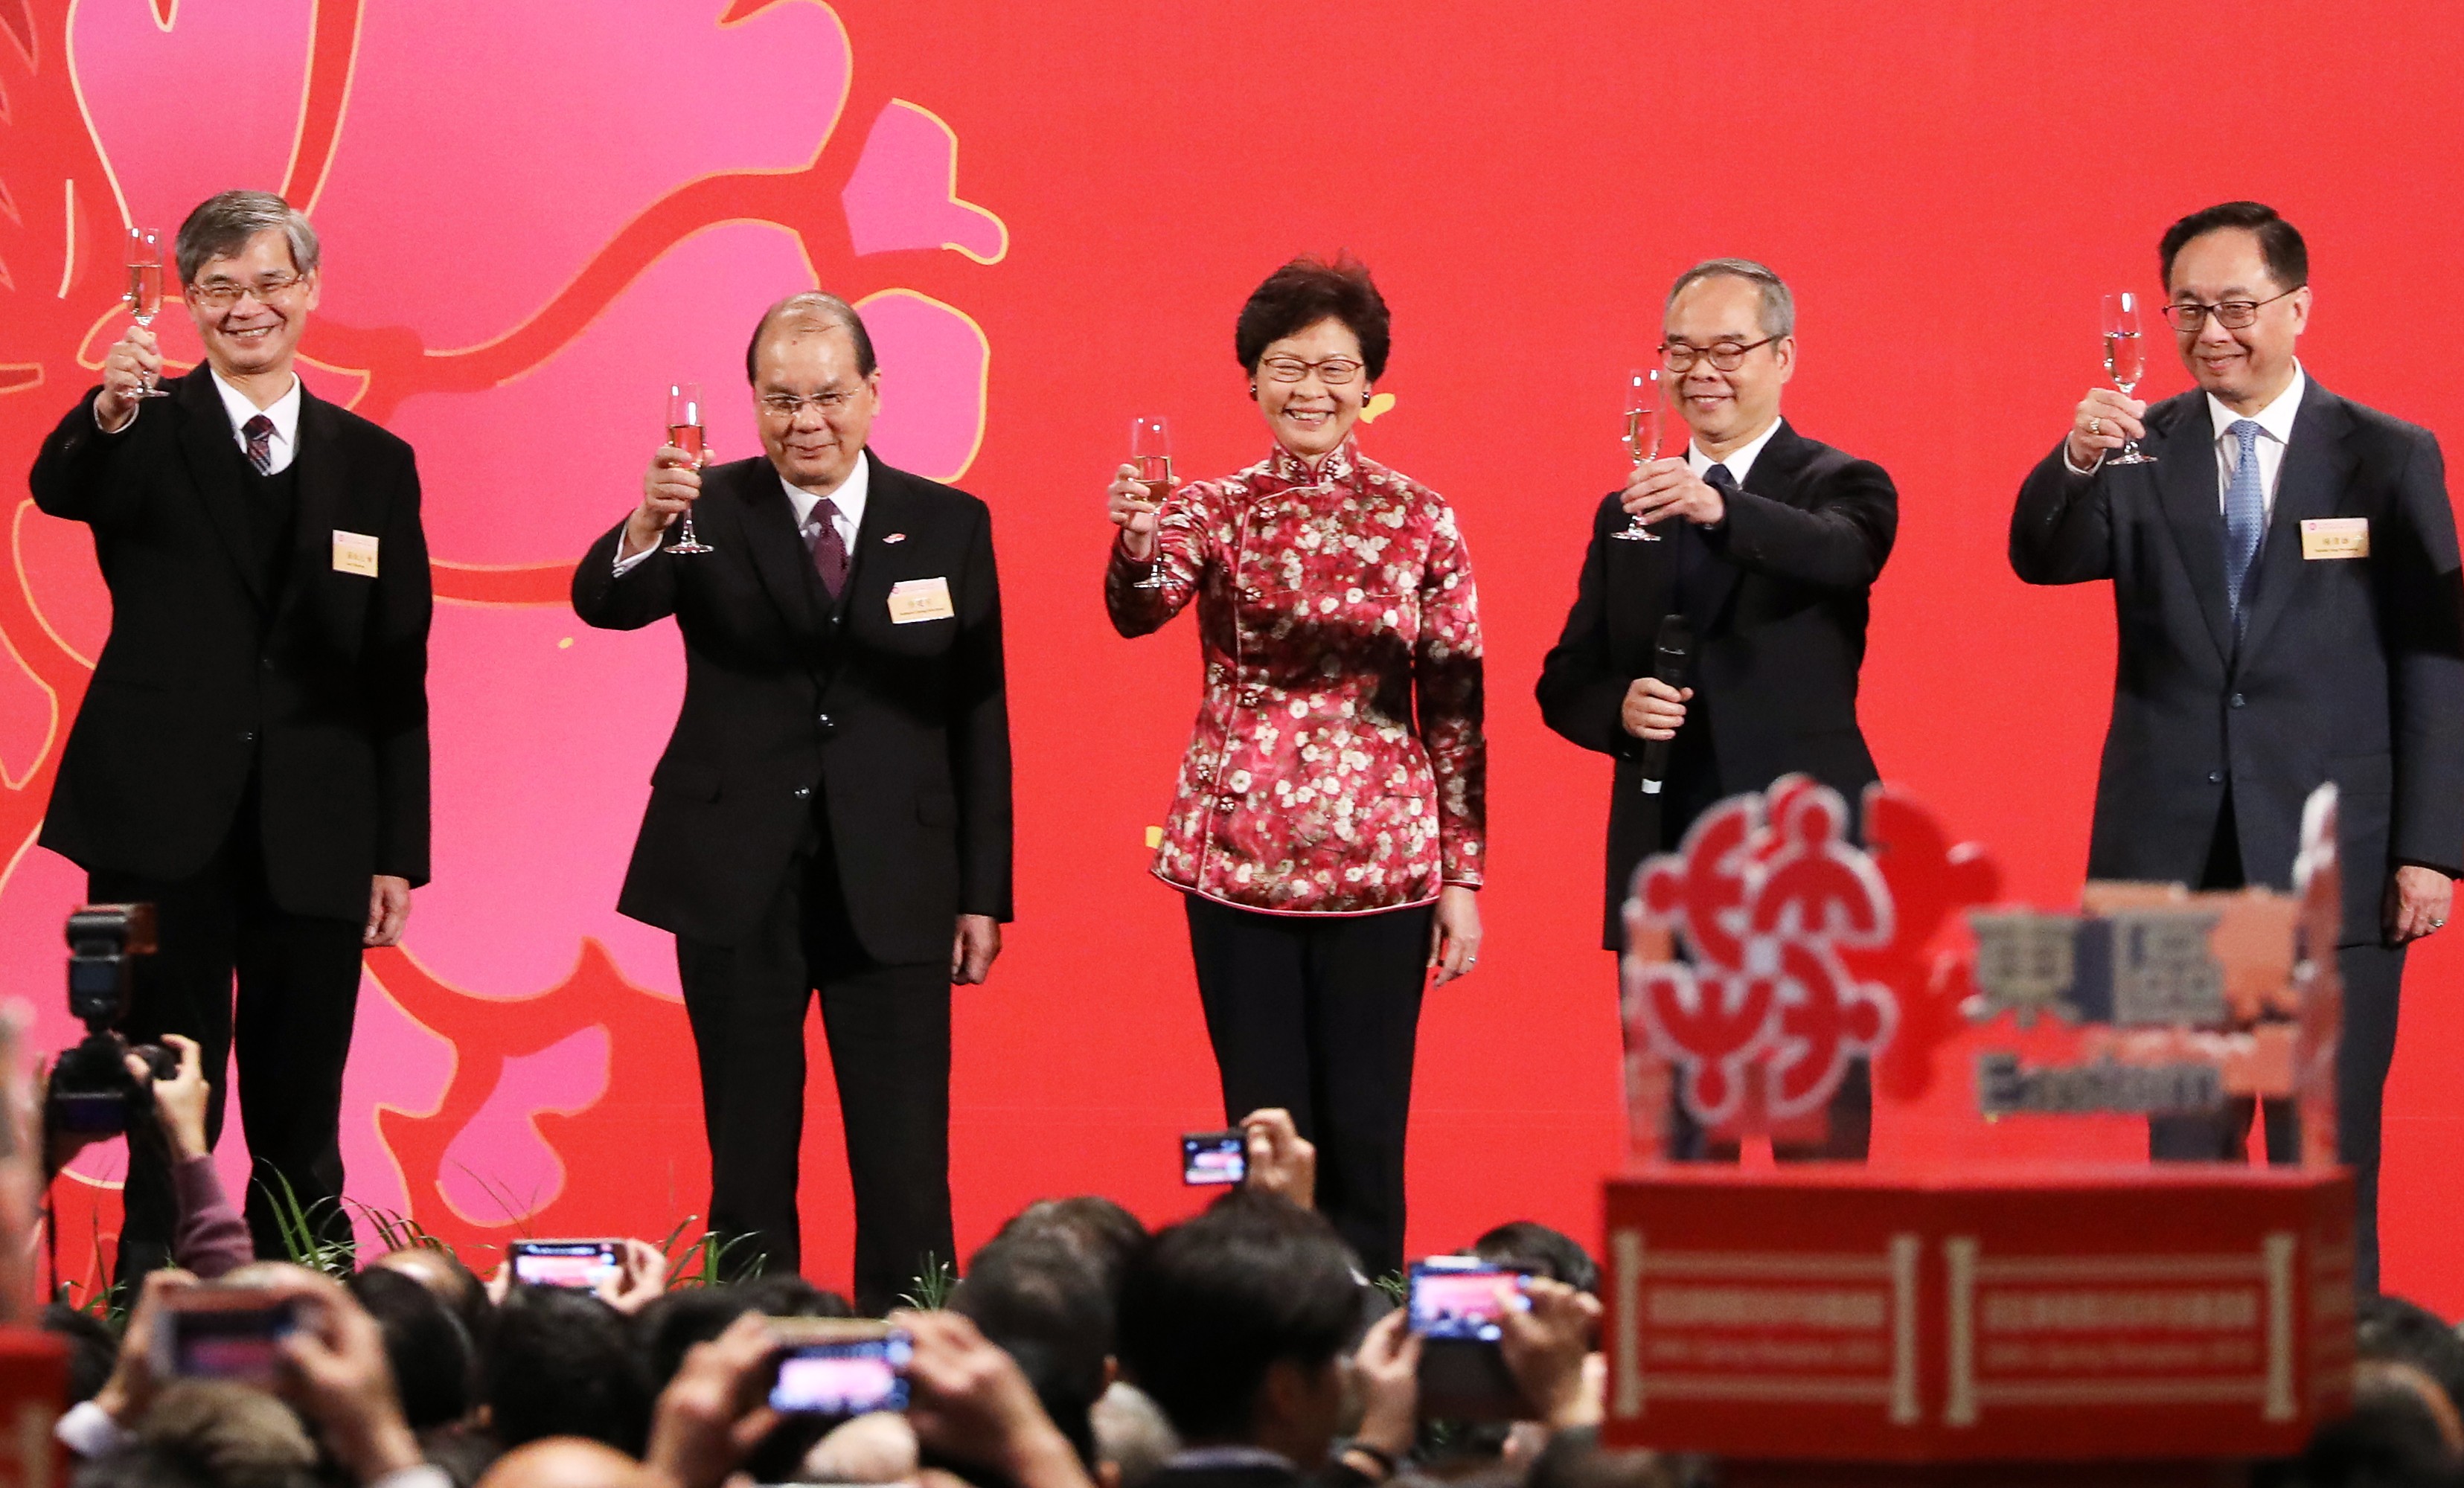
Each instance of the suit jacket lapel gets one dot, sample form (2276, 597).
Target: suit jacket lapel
(327, 503)
(2315, 467)
(205, 444)
(2185, 489)
(772, 543)
(889, 507)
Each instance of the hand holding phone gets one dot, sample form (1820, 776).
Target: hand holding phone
(582, 1265)
(1458, 1304)
(1214, 1157)
(222, 1333)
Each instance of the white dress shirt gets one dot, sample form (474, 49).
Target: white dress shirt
(849, 497)
(1739, 461)
(284, 445)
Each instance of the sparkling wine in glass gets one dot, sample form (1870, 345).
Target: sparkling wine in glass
(1646, 411)
(1151, 451)
(2125, 361)
(685, 432)
(145, 295)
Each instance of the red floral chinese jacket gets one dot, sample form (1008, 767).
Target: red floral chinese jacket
(1338, 765)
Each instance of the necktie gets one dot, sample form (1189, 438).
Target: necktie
(1693, 559)
(2245, 516)
(830, 550)
(259, 431)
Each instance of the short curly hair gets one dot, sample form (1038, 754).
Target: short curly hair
(1308, 289)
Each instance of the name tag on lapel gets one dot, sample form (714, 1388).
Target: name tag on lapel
(2335, 538)
(355, 553)
(913, 599)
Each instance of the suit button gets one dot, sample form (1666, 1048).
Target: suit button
(2215, 777)
(1249, 594)
(2237, 700)
(802, 791)
(827, 724)
(1249, 697)
(248, 735)
(1227, 804)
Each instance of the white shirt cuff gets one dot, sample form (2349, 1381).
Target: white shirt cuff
(107, 428)
(89, 1430)
(427, 1475)
(2076, 469)
(626, 565)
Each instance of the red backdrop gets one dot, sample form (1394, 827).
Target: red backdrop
(537, 215)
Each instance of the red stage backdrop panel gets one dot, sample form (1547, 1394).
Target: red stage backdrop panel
(537, 215)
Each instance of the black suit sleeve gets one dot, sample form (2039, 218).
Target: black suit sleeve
(979, 734)
(1582, 690)
(645, 594)
(2422, 617)
(72, 474)
(397, 666)
(2062, 530)
(1837, 540)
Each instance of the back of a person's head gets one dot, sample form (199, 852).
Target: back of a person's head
(1574, 1458)
(2402, 1434)
(667, 1328)
(786, 1295)
(2407, 1332)
(568, 1463)
(1212, 1303)
(93, 1348)
(1105, 1231)
(561, 1365)
(141, 1464)
(431, 1352)
(1041, 1299)
(443, 1273)
(236, 1437)
(1545, 1252)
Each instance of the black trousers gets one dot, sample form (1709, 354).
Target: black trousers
(889, 1031)
(1320, 1014)
(290, 1027)
(2373, 977)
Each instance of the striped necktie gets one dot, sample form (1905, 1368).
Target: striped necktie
(259, 434)
(2245, 517)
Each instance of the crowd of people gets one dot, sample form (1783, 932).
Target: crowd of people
(1243, 1347)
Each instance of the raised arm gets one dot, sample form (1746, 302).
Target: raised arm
(1160, 551)
(1838, 542)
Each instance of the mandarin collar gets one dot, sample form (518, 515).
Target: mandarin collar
(1340, 464)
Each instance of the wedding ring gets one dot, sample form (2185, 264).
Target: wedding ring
(2438, 925)
(2095, 427)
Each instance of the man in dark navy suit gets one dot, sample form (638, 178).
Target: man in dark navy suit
(832, 813)
(1769, 545)
(252, 755)
(2285, 586)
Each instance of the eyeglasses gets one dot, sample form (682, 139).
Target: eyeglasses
(1727, 355)
(1333, 371)
(223, 293)
(2234, 315)
(779, 406)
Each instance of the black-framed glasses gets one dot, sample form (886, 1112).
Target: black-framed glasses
(1333, 371)
(223, 293)
(1727, 355)
(780, 405)
(2234, 315)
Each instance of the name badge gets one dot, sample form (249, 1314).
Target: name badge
(2335, 538)
(913, 599)
(355, 553)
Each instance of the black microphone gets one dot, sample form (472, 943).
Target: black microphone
(1675, 657)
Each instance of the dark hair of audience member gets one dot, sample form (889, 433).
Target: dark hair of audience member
(433, 1360)
(1543, 1252)
(1309, 290)
(2407, 1332)
(2395, 1437)
(562, 1363)
(1106, 1233)
(1574, 1458)
(667, 1329)
(93, 1348)
(141, 1464)
(455, 1284)
(1211, 1304)
(1037, 1297)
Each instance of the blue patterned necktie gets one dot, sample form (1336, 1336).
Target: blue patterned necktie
(2245, 516)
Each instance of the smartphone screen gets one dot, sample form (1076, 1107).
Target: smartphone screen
(582, 1264)
(1214, 1157)
(1461, 1297)
(843, 1379)
(211, 1333)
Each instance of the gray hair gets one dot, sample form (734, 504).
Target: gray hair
(1779, 307)
(819, 310)
(222, 225)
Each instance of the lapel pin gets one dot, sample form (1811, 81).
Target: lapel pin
(896, 536)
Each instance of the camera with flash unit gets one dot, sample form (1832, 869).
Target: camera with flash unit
(92, 1092)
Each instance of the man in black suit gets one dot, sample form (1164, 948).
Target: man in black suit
(1768, 544)
(252, 755)
(832, 813)
(2285, 586)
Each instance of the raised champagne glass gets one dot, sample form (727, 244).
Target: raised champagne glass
(1151, 451)
(2125, 361)
(1646, 411)
(685, 432)
(145, 295)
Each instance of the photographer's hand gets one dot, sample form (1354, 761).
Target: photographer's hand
(972, 1404)
(180, 1101)
(129, 1392)
(1545, 1349)
(711, 1414)
(1281, 1160)
(340, 1379)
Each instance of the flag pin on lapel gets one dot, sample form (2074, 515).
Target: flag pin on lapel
(896, 536)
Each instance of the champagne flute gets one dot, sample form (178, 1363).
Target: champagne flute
(145, 297)
(1646, 411)
(2125, 361)
(685, 432)
(1151, 451)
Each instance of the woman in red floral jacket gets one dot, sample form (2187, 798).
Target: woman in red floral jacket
(1329, 826)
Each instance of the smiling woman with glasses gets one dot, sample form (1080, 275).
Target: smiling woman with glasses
(1328, 828)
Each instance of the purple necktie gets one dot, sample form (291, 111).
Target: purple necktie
(830, 551)
(260, 443)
